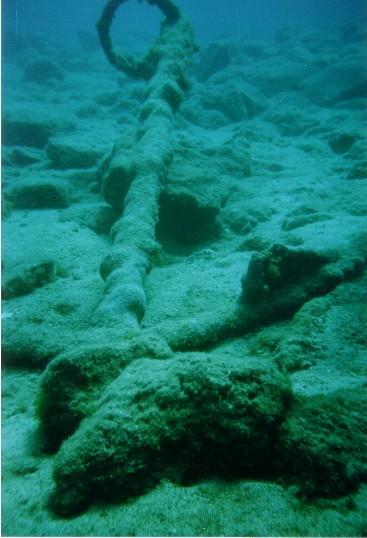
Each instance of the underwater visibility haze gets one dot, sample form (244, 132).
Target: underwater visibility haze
(184, 248)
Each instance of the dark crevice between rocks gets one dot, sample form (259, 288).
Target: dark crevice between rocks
(184, 224)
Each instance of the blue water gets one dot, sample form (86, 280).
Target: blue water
(62, 20)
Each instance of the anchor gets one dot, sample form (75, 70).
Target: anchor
(142, 174)
(126, 401)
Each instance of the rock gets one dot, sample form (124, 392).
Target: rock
(87, 111)
(278, 268)
(239, 222)
(358, 151)
(322, 443)
(214, 58)
(182, 418)
(255, 50)
(242, 221)
(63, 400)
(73, 151)
(342, 81)
(209, 119)
(292, 222)
(358, 171)
(41, 71)
(41, 192)
(25, 156)
(6, 208)
(271, 76)
(183, 219)
(290, 119)
(107, 98)
(25, 132)
(221, 101)
(24, 279)
(31, 345)
(281, 279)
(341, 142)
(233, 102)
(98, 218)
(101, 219)
(25, 125)
(254, 242)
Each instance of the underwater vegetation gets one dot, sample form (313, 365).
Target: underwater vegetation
(184, 285)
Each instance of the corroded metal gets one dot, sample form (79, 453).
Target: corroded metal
(144, 169)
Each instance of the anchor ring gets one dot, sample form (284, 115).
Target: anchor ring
(146, 66)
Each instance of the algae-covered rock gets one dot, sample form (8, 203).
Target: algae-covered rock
(215, 58)
(6, 208)
(182, 418)
(107, 98)
(272, 272)
(31, 132)
(358, 171)
(291, 120)
(41, 71)
(24, 279)
(97, 217)
(67, 393)
(185, 219)
(342, 142)
(232, 101)
(242, 221)
(31, 346)
(41, 192)
(73, 151)
(74, 381)
(25, 156)
(222, 102)
(294, 221)
(323, 443)
(340, 81)
(32, 125)
(275, 76)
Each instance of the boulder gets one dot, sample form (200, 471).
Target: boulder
(41, 71)
(97, 217)
(233, 102)
(33, 125)
(184, 219)
(182, 418)
(37, 192)
(280, 280)
(25, 156)
(74, 381)
(342, 81)
(342, 142)
(31, 132)
(215, 58)
(276, 269)
(358, 171)
(25, 278)
(322, 443)
(73, 151)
